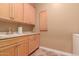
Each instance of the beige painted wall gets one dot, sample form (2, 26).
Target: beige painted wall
(63, 21)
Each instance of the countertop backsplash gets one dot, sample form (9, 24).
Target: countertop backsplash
(4, 27)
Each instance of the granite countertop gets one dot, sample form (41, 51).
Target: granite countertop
(4, 36)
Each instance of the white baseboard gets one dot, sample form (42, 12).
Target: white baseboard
(57, 51)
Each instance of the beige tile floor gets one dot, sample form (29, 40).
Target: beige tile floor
(43, 52)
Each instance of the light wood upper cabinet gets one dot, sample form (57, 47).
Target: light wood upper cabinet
(32, 14)
(29, 14)
(5, 10)
(43, 20)
(17, 12)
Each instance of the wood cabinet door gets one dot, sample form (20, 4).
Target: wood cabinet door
(37, 40)
(32, 14)
(29, 14)
(33, 43)
(5, 10)
(17, 12)
(22, 49)
(7, 51)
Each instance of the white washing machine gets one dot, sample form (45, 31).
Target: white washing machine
(76, 44)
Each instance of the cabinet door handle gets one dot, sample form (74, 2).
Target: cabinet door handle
(12, 18)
